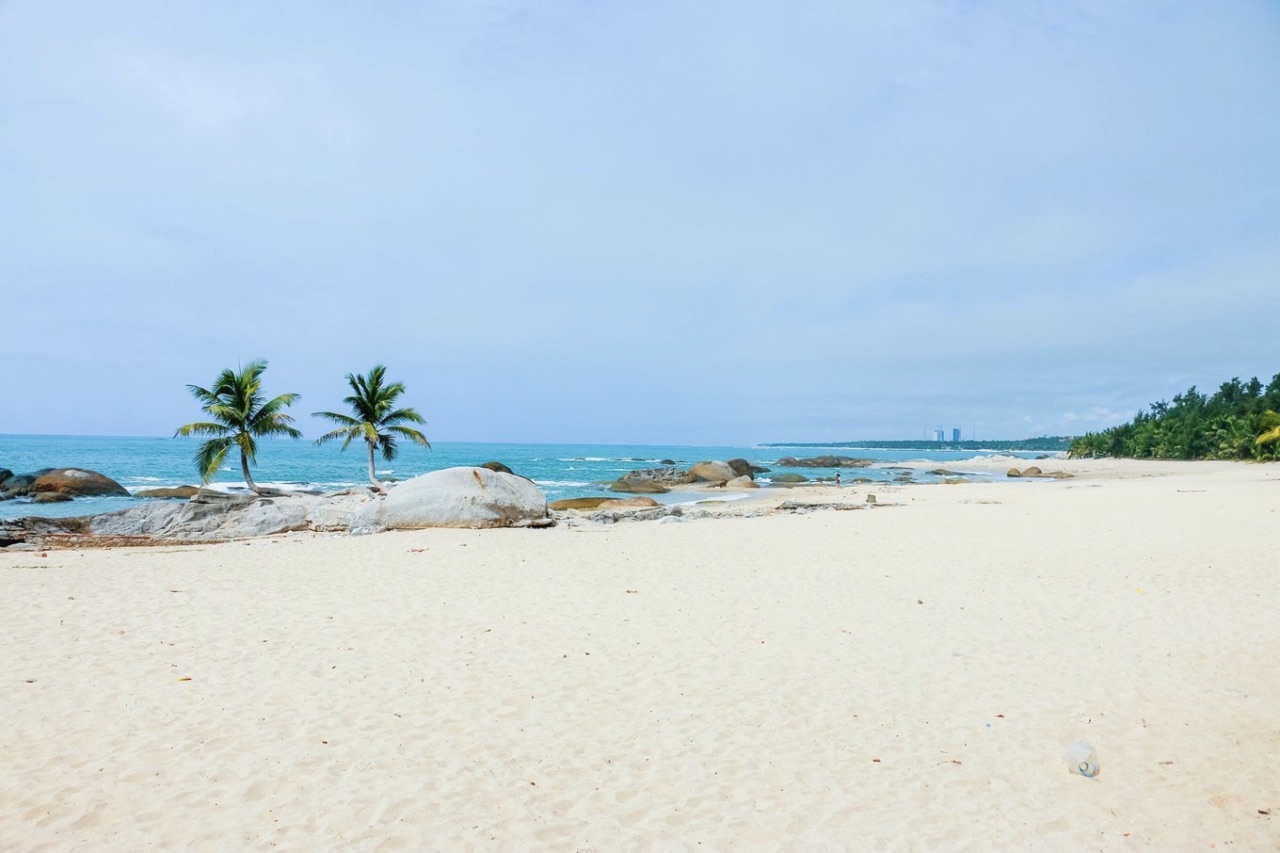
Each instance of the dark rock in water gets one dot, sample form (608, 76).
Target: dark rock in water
(652, 480)
(71, 482)
(789, 478)
(825, 462)
(78, 482)
(20, 484)
(742, 468)
(5, 474)
(49, 498)
(172, 492)
(667, 462)
(497, 466)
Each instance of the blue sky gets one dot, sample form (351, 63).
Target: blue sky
(719, 222)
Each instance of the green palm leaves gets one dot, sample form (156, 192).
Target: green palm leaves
(1270, 419)
(1239, 421)
(375, 418)
(239, 417)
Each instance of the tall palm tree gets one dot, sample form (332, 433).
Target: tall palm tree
(239, 417)
(374, 418)
(1269, 419)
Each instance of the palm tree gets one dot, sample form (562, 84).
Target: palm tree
(374, 418)
(239, 417)
(1272, 435)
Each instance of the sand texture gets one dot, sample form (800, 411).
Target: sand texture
(906, 677)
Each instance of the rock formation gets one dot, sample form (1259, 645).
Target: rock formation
(455, 497)
(458, 497)
(824, 462)
(653, 481)
(70, 482)
(713, 472)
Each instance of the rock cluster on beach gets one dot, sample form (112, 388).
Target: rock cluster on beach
(453, 497)
(50, 485)
(1034, 471)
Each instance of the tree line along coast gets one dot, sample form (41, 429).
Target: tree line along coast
(1240, 421)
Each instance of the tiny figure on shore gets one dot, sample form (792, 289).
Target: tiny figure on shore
(837, 479)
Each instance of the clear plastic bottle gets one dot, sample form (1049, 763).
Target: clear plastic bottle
(1082, 758)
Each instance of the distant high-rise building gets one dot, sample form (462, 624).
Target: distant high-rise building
(955, 435)
(939, 435)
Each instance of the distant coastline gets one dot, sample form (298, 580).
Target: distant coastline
(1047, 444)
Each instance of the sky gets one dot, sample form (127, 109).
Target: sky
(659, 223)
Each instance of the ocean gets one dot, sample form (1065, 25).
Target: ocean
(560, 470)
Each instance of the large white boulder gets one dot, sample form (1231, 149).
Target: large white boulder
(459, 497)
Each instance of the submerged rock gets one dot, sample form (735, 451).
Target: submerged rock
(638, 487)
(581, 503)
(598, 503)
(824, 462)
(168, 492)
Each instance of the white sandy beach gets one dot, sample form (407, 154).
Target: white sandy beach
(906, 677)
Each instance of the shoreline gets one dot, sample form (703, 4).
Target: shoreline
(872, 679)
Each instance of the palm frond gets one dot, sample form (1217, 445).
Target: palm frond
(204, 428)
(412, 434)
(347, 434)
(210, 455)
(403, 416)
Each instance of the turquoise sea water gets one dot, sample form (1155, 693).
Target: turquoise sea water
(561, 470)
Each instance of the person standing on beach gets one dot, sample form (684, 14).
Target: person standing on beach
(837, 479)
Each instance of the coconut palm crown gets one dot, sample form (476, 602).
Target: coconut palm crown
(375, 418)
(240, 417)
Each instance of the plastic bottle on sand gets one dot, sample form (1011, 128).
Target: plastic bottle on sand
(1082, 758)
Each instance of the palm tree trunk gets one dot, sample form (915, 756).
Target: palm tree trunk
(248, 478)
(382, 490)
